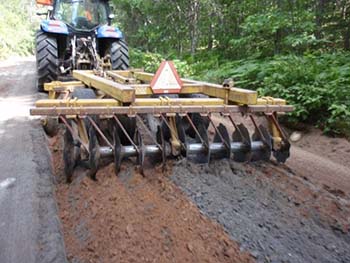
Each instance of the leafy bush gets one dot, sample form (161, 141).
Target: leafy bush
(318, 85)
(150, 62)
(16, 28)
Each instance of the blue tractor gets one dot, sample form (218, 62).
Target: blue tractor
(77, 34)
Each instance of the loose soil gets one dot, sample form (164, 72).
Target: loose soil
(227, 212)
(132, 218)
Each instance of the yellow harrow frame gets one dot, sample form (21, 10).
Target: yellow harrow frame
(121, 96)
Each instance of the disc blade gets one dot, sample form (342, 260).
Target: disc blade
(241, 135)
(262, 153)
(70, 155)
(94, 152)
(222, 136)
(141, 151)
(283, 154)
(202, 157)
(118, 154)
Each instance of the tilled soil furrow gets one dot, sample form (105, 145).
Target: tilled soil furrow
(131, 218)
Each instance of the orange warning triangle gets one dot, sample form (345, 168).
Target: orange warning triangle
(166, 80)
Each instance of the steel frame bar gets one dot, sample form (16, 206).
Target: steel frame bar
(120, 78)
(76, 136)
(275, 122)
(126, 133)
(196, 131)
(169, 126)
(257, 128)
(126, 89)
(100, 132)
(218, 132)
(138, 102)
(173, 132)
(148, 132)
(133, 110)
(234, 95)
(236, 128)
(122, 93)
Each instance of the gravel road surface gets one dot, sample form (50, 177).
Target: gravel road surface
(29, 226)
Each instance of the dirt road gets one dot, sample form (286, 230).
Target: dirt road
(29, 226)
(227, 212)
(298, 212)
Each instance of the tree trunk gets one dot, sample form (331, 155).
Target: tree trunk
(195, 7)
(347, 39)
(210, 37)
(319, 12)
(278, 34)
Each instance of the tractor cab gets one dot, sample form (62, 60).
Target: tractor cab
(82, 14)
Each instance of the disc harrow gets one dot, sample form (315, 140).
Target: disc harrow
(115, 115)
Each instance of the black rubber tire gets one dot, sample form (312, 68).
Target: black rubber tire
(46, 59)
(119, 55)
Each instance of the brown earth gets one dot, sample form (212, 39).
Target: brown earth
(132, 218)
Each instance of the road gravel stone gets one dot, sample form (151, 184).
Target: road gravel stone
(258, 216)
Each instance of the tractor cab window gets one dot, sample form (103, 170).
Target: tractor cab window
(81, 14)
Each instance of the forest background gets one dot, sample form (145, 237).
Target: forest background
(298, 50)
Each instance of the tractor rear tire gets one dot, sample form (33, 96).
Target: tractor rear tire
(119, 55)
(46, 59)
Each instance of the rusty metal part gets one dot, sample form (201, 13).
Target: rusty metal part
(100, 132)
(148, 132)
(218, 132)
(197, 131)
(125, 132)
(74, 134)
(133, 110)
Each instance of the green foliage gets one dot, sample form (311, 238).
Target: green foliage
(150, 62)
(297, 50)
(16, 28)
(317, 85)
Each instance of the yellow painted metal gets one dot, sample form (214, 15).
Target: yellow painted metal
(78, 103)
(276, 136)
(116, 90)
(143, 76)
(120, 78)
(138, 95)
(82, 131)
(146, 90)
(142, 89)
(59, 84)
(167, 109)
(175, 142)
(56, 87)
(233, 95)
(242, 96)
(163, 101)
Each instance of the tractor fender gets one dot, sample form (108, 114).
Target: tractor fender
(109, 32)
(54, 26)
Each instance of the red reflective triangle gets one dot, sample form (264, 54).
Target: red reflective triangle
(166, 80)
